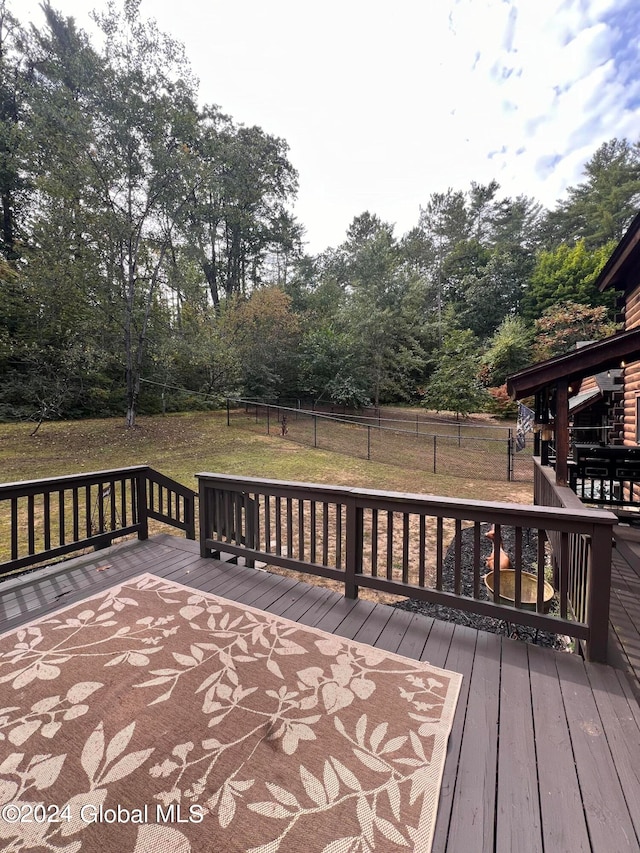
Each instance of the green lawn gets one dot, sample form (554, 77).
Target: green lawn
(181, 445)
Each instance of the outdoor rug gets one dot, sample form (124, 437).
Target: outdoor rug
(153, 717)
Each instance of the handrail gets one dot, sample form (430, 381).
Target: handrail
(53, 516)
(395, 543)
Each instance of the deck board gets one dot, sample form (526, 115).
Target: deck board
(472, 825)
(460, 659)
(622, 733)
(608, 820)
(544, 753)
(563, 822)
(518, 807)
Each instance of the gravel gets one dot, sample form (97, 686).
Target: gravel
(487, 623)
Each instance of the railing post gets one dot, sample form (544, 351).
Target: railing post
(354, 548)
(190, 518)
(204, 507)
(141, 496)
(599, 593)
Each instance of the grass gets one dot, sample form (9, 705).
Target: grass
(181, 445)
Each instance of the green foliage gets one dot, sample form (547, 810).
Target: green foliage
(561, 327)
(147, 238)
(509, 351)
(454, 384)
(265, 333)
(599, 209)
(567, 273)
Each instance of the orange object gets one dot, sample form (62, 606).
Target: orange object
(505, 562)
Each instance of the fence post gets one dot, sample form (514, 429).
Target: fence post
(417, 429)
(228, 424)
(459, 436)
(268, 425)
(509, 458)
(435, 437)
(315, 430)
(369, 441)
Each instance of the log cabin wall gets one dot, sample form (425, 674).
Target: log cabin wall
(631, 371)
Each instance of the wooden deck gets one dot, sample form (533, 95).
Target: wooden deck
(544, 755)
(624, 613)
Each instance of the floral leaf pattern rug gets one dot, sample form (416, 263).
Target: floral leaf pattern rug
(154, 718)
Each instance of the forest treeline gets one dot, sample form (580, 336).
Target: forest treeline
(148, 245)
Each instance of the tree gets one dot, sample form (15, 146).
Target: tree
(383, 310)
(509, 351)
(331, 368)
(454, 385)
(14, 81)
(561, 327)
(266, 335)
(599, 209)
(567, 273)
(236, 221)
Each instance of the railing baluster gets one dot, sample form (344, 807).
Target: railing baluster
(75, 513)
(31, 542)
(267, 524)
(301, 530)
(497, 544)
(439, 549)
(325, 533)
(476, 559)
(100, 502)
(112, 495)
(313, 521)
(389, 545)
(374, 542)
(338, 536)
(422, 546)
(123, 501)
(47, 520)
(289, 503)
(405, 547)
(61, 518)
(457, 571)
(278, 510)
(564, 575)
(14, 528)
(518, 565)
(228, 519)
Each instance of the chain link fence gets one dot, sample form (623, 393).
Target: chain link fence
(454, 449)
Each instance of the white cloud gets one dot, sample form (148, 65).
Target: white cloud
(386, 102)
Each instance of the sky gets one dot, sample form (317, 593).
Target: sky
(383, 102)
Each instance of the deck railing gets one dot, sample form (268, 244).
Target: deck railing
(397, 543)
(44, 519)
